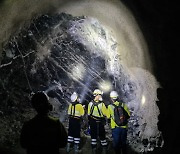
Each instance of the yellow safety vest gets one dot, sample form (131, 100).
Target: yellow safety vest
(93, 109)
(110, 114)
(76, 110)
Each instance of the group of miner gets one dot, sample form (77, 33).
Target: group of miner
(44, 134)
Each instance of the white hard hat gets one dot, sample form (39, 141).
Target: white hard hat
(97, 92)
(113, 94)
(74, 97)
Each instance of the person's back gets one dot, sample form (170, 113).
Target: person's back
(96, 116)
(75, 113)
(119, 130)
(43, 134)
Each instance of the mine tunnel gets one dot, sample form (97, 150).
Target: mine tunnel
(64, 46)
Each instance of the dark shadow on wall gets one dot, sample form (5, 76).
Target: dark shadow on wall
(2, 1)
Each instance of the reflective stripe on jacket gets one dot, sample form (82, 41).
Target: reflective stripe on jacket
(110, 114)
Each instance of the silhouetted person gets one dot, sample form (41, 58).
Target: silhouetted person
(43, 134)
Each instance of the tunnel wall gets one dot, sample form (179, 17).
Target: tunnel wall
(120, 19)
(161, 36)
(13, 14)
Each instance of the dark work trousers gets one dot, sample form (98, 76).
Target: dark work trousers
(74, 130)
(97, 130)
(119, 140)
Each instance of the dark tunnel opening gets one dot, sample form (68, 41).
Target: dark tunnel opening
(157, 20)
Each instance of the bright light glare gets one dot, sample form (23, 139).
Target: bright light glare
(78, 72)
(105, 86)
(143, 99)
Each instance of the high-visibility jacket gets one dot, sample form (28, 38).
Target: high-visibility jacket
(76, 110)
(98, 110)
(110, 114)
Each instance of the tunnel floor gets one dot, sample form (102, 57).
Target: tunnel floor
(85, 148)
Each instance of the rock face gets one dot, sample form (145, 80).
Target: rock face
(44, 56)
(60, 54)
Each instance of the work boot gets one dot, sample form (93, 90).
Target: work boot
(94, 150)
(68, 147)
(104, 150)
(76, 149)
